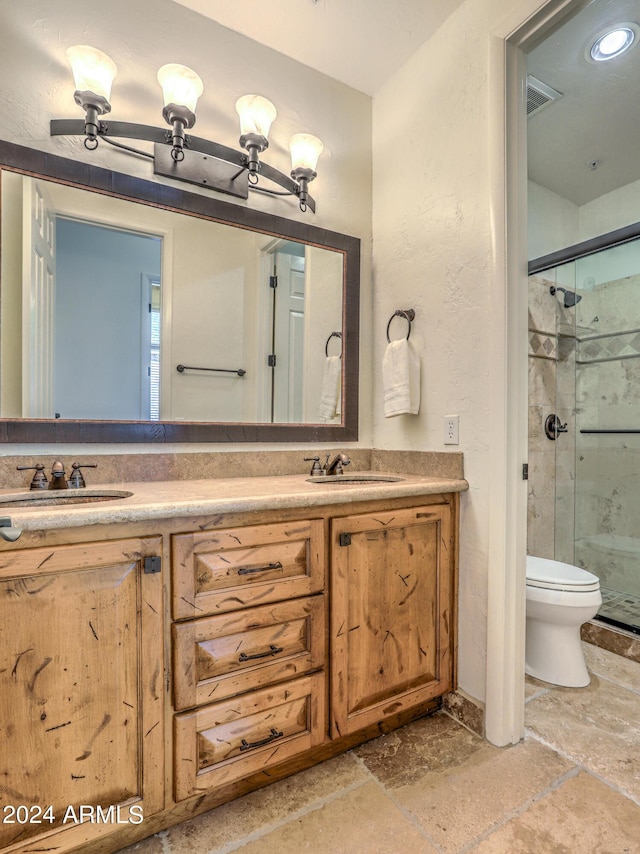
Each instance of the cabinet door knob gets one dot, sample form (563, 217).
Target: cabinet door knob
(7, 531)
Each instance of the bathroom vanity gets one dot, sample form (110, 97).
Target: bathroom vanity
(170, 651)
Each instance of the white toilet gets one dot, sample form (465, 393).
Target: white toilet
(560, 598)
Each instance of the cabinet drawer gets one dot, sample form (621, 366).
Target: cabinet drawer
(218, 657)
(220, 571)
(219, 744)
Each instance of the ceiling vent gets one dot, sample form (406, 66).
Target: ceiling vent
(539, 95)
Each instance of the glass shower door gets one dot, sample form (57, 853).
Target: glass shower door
(607, 485)
(584, 380)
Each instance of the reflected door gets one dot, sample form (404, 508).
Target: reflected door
(288, 324)
(38, 294)
(104, 308)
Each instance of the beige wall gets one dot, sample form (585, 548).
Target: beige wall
(215, 279)
(434, 145)
(39, 87)
(434, 251)
(555, 222)
(323, 304)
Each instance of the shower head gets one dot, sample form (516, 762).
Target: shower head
(570, 297)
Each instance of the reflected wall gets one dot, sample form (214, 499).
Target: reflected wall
(217, 313)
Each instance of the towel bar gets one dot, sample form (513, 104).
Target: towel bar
(408, 314)
(240, 371)
(628, 430)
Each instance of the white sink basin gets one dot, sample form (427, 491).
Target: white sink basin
(59, 497)
(355, 478)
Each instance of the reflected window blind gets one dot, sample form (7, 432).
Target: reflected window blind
(154, 356)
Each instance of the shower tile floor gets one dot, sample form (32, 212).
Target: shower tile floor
(621, 607)
(572, 785)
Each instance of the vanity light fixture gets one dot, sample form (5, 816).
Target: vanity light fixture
(613, 42)
(177, 154)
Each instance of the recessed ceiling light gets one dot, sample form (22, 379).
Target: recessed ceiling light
(613, 42)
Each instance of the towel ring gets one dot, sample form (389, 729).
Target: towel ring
(408, 314)
(326, 346)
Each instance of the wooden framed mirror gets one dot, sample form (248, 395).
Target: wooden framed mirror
(189, 341)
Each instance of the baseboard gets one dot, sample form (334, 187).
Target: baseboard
(465, 710)
(612, 639)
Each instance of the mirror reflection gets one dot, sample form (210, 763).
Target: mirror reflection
(113, 310)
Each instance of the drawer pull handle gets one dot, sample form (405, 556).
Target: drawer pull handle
(246, 745)
(273, 650)
(249, 570)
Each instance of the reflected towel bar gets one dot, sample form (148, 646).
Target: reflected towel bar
(240, 371)
(333, 335)
(611, 431)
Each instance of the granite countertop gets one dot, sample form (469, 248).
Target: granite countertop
(170, 499)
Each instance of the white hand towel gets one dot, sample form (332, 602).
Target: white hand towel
(401, 379)
(331, 387)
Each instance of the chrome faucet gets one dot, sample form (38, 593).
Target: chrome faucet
(336, 465)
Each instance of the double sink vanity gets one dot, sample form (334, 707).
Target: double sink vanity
(190, 627)
(172, 649)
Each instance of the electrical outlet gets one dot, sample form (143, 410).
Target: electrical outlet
(452, 429)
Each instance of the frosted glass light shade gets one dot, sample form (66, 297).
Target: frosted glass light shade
(93, 70)
(256, 115)
(180, 85)
(305, 150)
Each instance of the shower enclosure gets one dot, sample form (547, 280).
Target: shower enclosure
(584, 370)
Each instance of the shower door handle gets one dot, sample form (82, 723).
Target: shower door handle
(553, 426)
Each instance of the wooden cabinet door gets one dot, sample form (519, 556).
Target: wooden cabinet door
(392, 621)
(81, 692)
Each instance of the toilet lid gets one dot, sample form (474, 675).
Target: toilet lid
(554, 575)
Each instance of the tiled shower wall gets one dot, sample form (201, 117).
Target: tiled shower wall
(550, 528)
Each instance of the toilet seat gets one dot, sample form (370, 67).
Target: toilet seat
(554, 575)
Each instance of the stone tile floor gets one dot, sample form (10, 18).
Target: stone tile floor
(571, 786)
